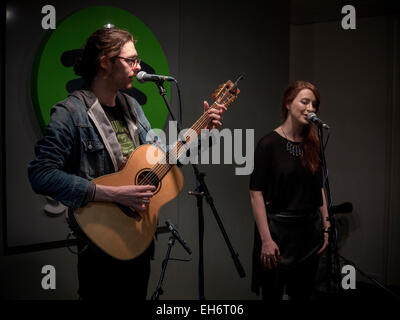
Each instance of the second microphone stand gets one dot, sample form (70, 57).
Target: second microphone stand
(334, 285)
(159, 291)
(174, 236)
(203, 191)
(333, 264)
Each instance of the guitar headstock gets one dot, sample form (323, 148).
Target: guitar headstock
(226, 93)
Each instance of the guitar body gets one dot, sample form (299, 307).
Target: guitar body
(119, 234)
(122, 232)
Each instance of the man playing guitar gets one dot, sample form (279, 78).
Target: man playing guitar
(91, 134)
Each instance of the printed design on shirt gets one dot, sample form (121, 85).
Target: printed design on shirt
(124, 137)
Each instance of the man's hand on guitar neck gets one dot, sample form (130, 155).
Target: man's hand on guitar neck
(136, 197)
(215, 114)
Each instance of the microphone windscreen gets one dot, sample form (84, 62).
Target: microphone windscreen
(140, 76)
(310, 116)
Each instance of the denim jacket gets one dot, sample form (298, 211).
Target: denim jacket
(79, 144)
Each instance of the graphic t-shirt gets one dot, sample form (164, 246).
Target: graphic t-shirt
(116, 116)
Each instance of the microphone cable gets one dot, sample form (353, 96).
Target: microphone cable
(180, 102)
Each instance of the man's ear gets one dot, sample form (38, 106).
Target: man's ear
(104, 63)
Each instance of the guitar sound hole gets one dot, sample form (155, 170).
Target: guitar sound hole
(144, 177)
(147, 177)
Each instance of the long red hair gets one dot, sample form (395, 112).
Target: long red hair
(311, 147)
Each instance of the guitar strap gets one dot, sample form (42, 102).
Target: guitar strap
(76, 231)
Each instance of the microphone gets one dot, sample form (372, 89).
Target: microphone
(312, 117)
(176, 235)
(143, 77)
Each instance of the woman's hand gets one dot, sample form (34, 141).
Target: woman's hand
(215, 115)
(325, 222)
(325, 245)
(269, 254)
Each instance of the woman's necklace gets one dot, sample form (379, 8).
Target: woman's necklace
(293, 149)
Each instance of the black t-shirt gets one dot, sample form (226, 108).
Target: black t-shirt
(286, 184)
(116, 116)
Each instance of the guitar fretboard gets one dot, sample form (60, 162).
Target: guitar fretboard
(163, 166)
(224, 96)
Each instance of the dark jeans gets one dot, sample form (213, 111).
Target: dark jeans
(104, 277)
(299, 281)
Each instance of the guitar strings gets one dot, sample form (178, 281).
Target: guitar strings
(158, 171)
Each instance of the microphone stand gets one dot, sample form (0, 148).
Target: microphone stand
(333, 265)
(159, 291)
(202, 188)
(199, 198)
(174, 235)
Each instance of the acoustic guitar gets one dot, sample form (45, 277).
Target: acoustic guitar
(121, 231)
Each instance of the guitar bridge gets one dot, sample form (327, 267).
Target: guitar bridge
(130, 212)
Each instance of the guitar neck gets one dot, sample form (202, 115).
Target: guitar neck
(191, 134)
(225, 94)
(181, 147)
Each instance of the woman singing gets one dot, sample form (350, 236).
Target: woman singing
(288, 201)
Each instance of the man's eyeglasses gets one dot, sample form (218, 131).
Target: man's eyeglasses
(131, 62)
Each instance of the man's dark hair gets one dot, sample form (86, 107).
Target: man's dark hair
(103, 42)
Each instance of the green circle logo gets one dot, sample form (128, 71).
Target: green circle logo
(53, 77)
